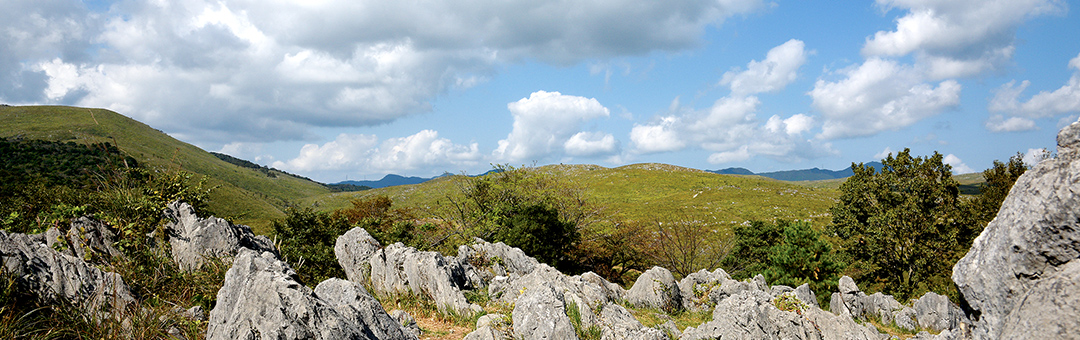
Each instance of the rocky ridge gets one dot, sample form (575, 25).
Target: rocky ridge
(1021, 279)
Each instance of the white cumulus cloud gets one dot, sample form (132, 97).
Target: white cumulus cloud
(591, 144)
(879, 95)
(364, 154)
(998, 123)
(957, 38)
(217, 72)
(780, 68)
(544, 122)
(958, 166)
(1065, 99)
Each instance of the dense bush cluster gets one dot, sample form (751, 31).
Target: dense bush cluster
(48, 184)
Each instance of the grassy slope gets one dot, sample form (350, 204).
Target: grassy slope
(243, 195)
(646, 193)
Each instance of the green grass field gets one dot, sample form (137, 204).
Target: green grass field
(242, 195)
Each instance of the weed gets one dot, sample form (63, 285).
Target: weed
(790, 303)
(584, 333)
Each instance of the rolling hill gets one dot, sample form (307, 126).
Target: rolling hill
(644, 193)
(243, 195)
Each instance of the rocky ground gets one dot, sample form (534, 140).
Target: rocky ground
(1021, 279)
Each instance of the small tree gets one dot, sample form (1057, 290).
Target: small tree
(900, 226)
(684, 247)
(786, 253)
(983, 209)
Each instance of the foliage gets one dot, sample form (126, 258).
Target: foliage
(387, 225)
(683, 247)
(786, 253)
(789, 302)
(900, 227)
(306, 241)
(585, 333)
(999, 180)
(521, 207)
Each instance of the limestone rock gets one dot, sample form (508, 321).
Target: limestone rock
(1050, 309)
(354, 303)
(353, 249)
(55, 276)
(398, 269)
(541, 314)
(935, 312)
(695, 288)
(497, 259)
(656, 288)
(263, 299)
(91, 240)
(751, 315)
(617, 323)
(1034, 237)
(806, 295)
(407, 322)
(193, 238)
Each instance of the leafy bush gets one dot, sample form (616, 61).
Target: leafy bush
(786, 253)
(306, 241)
(900, 227)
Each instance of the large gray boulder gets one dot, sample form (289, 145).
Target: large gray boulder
(1050, 309)
(936, 313)
(656, 288)
(752, 315)
(398, 269)
(354, 303)
(263, 299)
(695, 288)
(91, 240)
(193, 238)
(1035, 237)
(54, 276)
(353, 249)
(932, 311)
(618, 324)
(540, 313)
(496, 259)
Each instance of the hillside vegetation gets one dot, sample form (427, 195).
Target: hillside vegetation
(642, 193)
(244, 195)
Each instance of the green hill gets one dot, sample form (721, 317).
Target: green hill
(646, 193)
(244, 195)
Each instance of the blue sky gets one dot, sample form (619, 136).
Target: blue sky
(359, 89)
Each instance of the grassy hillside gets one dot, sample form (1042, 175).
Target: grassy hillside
(646, 193)
(244, 195)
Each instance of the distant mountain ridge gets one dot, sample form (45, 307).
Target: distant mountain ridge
(388, 181)
(813, 174)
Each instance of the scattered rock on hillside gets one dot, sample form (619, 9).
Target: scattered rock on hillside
(90, 239)
(497, 259)
(540, 313)
(353, 249)
(354, 303)
(694, 288)
(193, 238)
(931, 311)
(54, 276)
(398, 269)
(752, 315)
(656, 288)
(1018, 272)
(263, 299)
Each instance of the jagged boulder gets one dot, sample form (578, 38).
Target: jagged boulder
(1034, 238)
(55, 276)
(192, 238)
(491, 327)
(354, 303)
(751, 314)
(353, 249)
(540, 313)
(656, 288)
(618, 324)
(263, 299)
(496, 259)
(407, 322)
(936, 313)
(91, 240)
(398, 269)
(695, 288)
